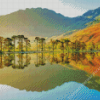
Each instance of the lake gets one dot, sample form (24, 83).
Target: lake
(50, 76)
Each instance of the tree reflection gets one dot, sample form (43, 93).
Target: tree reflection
(53, 59)
(83, 56)
(62, 57)
(13, 65)
(59, 58)
(8, 58)
(78, 57)
(27, 61)
(1, 61)
(37, 64)
(66, 61)
(40, 60)
(92, 54)
(20, 62)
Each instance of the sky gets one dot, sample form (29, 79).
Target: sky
(70, 8)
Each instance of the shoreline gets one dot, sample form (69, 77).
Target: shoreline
(24, 52)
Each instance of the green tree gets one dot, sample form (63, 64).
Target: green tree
(53, 44)
(67, 43)
(1, 42)
(8, 44)
(83, 46)
(14, 41)
(62, 44)
(27, 41)
(57, 41)
(21, 38)
(37, 39)
(42, 40)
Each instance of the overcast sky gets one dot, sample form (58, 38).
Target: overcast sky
(70, 8)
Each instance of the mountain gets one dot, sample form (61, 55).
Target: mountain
(87, 35)
(33, 22)
(43, 22)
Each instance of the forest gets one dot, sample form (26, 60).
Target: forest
(21, 44)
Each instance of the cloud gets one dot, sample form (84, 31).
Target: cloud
(85, 4)
(58, 6)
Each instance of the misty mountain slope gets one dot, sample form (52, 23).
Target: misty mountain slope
(43, 22)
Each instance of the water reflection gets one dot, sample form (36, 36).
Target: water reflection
(19, 61)
(40, 59)
(54, 69)
(8, 58)
(1, 62)
(63, 92)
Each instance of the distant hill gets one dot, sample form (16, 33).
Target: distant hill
(43, 22)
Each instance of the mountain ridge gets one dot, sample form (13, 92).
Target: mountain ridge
(42, 22)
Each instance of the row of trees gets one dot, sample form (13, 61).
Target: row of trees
(40, 43)
(52, 44)
(64, 44)
(23, 44)
(10, 44)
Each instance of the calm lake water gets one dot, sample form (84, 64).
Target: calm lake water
(50, 76)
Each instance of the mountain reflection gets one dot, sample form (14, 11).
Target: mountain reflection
(45, 71)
